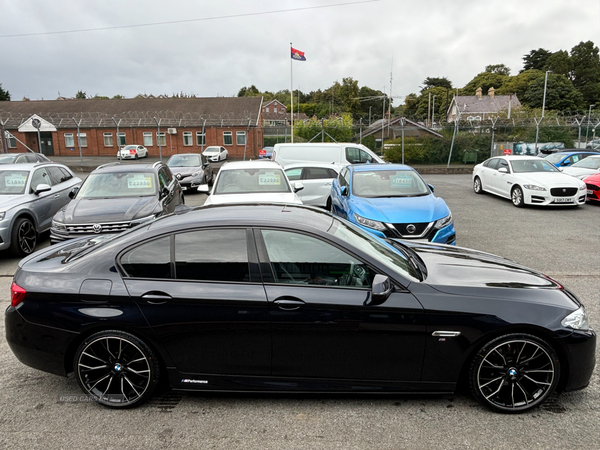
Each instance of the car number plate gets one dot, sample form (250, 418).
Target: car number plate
(562, 200)
(590, 192)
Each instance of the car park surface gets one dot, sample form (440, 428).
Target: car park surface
(35, 416)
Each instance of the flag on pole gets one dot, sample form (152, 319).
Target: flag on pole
(298, 55)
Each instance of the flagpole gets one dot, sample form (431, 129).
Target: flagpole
(292, 91)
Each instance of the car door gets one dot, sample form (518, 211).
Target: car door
(170, 190)
(339, 200)
(62, 183)
(317, 185)
(201, 293)
(43, 205)
(486, 173)
(322, 324)
(502, 182)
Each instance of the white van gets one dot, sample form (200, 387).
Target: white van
(340, 154)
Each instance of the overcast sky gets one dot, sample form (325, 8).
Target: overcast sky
(214, 48)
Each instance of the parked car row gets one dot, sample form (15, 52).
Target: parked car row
(256, 292)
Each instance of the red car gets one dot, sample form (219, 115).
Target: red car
(593, 187)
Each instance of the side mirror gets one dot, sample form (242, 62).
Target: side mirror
(42, 187)
(503, 170)
(73, 192)
(344, 191)
(381, 290)
(431, 187)
(298, 186)
(566, 163)
(164, 193)
(204, 189)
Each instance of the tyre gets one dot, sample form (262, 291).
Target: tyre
(514, 373)
(137, 156)
(516, 196)
(23, 237)
(477, 186)
(116, 369)
(328, 204)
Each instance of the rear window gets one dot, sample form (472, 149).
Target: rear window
(246, 181)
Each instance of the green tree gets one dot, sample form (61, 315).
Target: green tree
(431, 82)
(519, 83)
(536, 59)
(498, 68)
(80, 94)
(560, 63)
(251, 91)
(4, 94)
(485, 80)
(560, 94)
(586, 71)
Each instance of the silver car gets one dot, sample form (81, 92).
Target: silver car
(317, 179)
(30, 195)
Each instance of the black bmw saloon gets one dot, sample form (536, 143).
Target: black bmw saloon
(286, 298)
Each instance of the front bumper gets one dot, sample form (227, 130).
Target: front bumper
(446, 235)
(579, 349)
(532, 197)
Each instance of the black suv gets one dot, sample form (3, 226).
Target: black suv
(116, 197)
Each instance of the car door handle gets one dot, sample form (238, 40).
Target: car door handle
(56, 195)
(289, 304)
(156, 298)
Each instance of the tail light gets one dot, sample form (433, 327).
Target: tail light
(17, 294)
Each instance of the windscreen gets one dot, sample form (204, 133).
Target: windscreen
(532, 165)
(119, 184)
(184, 161)
(247, 181)
(388, 183)
(13, 182)
(591, 162)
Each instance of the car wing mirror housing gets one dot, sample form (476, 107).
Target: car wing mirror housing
(42, 187)
(344, 191)
(431, 187)
(503, 170)
(298, 186)
(381, 290)
(73, 192)
(204, 189)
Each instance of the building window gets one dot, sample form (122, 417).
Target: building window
(122, 139)
(200, 138)
(69, 142)
(12, 142)
(240, 137)
(187, 139)
(267, 109)
(162, 140)
(274, 110)
(227, 138)
(82, 137)
(148, 139)
(108, 140)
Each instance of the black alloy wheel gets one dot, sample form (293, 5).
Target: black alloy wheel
(116, 369)
(23, 237)
(514, 373)
(477, 186)
(516, 196)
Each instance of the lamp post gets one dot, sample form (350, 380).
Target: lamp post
(588, 124)
(537, 124)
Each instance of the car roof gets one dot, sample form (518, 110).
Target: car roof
(186, 154)
(573, 152)
(254, 164)
(378, 166)
(517, 157)
(30, 166)
(117, 167)
(248, 214)
(313, 164)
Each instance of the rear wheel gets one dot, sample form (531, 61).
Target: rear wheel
(116, 368)
(23, 237)
(514, 373)
(516, 196)
(328, 204)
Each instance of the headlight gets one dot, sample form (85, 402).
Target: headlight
(2, 215)
(196, 174)
(578, 320)
(533, 187)
(370, 223)
(58, 226)
(582, 187)
(439, 224)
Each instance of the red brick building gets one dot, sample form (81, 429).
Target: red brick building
(164, 125)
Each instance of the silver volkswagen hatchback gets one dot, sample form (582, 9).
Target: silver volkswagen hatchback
(30, 195)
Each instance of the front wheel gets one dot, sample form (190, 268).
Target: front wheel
(23, 237)
(514, 373)
(477, 186)
(116, 369)
(517, 197)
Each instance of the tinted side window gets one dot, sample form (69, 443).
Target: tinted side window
(212, 255)
(493, 164)
(162, 179)
(149, 260)
(352, 155)
(504, 163)
(32, 157)
(55, 174)
(332, 173)
(300, 259)
(294, 174)
(342, 179)
(316, 173)
(66, 174)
